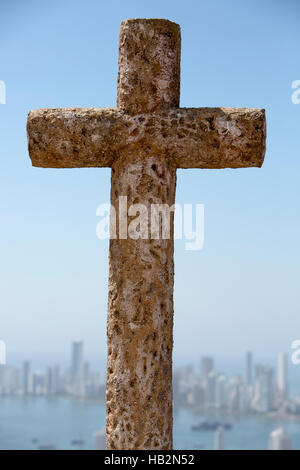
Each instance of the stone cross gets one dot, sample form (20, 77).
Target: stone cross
(144, 140)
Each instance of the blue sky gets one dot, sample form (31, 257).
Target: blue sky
(242, 290)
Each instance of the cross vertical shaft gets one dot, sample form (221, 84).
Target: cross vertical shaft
(140, 316)
(141, 274)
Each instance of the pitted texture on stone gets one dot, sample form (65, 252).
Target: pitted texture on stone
(149, 65)
(73, 137)
(189, 137)
(140, 320)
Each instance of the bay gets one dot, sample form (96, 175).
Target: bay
(58, 421)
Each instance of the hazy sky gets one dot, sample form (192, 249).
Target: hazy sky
(242, 290)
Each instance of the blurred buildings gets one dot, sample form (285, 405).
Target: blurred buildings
(77, 380)
(259, 390)
(77, 369)
(279, 440)
(26, 378)
(263, 399)
(282, 375)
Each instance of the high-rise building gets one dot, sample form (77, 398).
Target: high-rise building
(207, 366)
(282, 375)
(38, 383)
(86, 371)
(52, 380)
(58, 377)
(221, 391)
(77, 358)
(100, 441)
(219, 438)
(26, 378)
(249, 368)
(77, 368)
(263, 400)
(9, 380)
(236, 398)
(210, 389)
(279, 440)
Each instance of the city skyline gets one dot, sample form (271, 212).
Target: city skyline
(216, 397)
(257, 377)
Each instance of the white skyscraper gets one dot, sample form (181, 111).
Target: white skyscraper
(77, 368)
(221, 395)
(263, 400)
(219, 438)
(249, 362)
(38, 383)
(207, 366)
(52, 380)
(282, 375)
(236, 398)
(279, 440)
(210, 390)
(26, 378)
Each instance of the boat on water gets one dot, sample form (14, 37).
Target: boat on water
(210, 426)
(77, 442)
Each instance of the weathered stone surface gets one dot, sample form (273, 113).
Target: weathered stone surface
(149, 65)
(140, 319)
(144, 140)
(189, 137)
(74, 137)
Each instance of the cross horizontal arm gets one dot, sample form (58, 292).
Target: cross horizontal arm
(215, 137)
(190, 137)
(74, 137)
